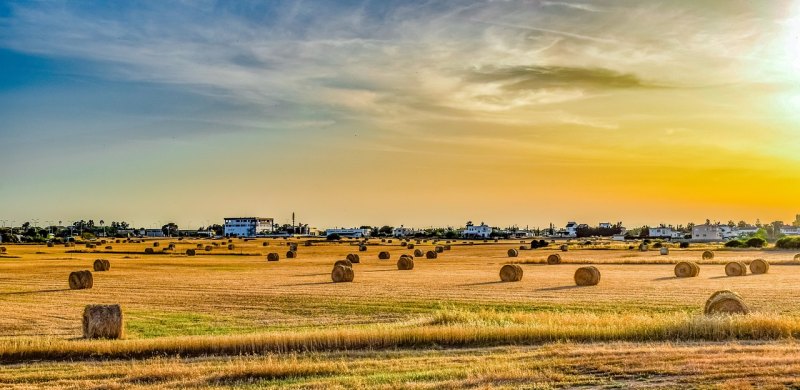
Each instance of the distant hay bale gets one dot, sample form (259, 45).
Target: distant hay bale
(418, 253)
(49, 244)
(643, 247)
(362, 248)
(308, 243)
(410, 246)
(431, 255)
(383, 240)
(513, 252)
(708, 255)
(190, 252)
(102, 322)
(199, 246)
(523, 248)
(103, 242)
(273, 257)
(342, 274)
(215, 243)
(108, 248)
(156, 244)
(384, 255)
(346, 263)
(553, 259)
(231, 247)
(353, 258)
(587, 276)
(446, 247)
(293, 246)
(208, 248)
(439, 249)
(725, 302)
(735, 268)
(796, 257)
(291, 254)
(686, 269)
(388, 241)
(80, 280)
(149, 251)
(564, 247)
(116, 241)
(265, 243)
(759, 266)
(230, 240)
(90, 246)
(511, 273)
(171, 247)
(2, 249)
(101, 265)
(403, 244)
(405, 263)
(664, 251)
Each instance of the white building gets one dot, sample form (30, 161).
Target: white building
(664, 232)
(790, 230)
(248, 226)
(604, 225)
(571, 229)
(706, 233)
(357, 233)
(153, 233)
(481, 231)
(402, 231)
(746, 231)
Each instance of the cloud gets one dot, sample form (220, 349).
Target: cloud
(515, 78)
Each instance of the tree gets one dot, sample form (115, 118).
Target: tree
(741, 225)
(217, 229)
(170, 229)
(333, 237)
(386, 230)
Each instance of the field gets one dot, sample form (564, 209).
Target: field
(228, 318)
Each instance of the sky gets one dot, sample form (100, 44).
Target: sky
(415, 113)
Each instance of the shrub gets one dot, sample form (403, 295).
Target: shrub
(684, 245)
(734, 244)
(333, 237)
(788, 243)
(756, 242)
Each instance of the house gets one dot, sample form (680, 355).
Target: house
(618, 237)
(153, 233)
(707, 232)
(571, 229)
(746, 231)
(790, 230)
(664, 232)
(357, 233)
(402, 231)
(247, 226)
(604, 225)
(480, 231)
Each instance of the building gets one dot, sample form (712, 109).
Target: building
(402, 231)
(480, 231)
(248, 226)
(664, 232)
(357, 233)
(790, 230)
(707, 233)
(604, 225)
(571, 230)
(153, 233)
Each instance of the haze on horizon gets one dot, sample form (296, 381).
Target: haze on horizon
(400, 112)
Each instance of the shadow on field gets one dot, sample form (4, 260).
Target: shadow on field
(560, 288)
(380, 270)
(320, 274)
(481, 283)
(34, 292)
(305, 284)
(664, 278)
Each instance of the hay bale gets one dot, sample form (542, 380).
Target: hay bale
(796, 257)
(149, 251)
(353, 258)
(215, 243)
(553, 259)
(342, 274)
(384, 255)
(80, 280)
(116, 241)
(208, 248)
(446, 247)
(587, 276)
(664, 251)
(708, 255)
(759, 266)
(513, 252)
(156, 244)
(190, 252)
(686, 269)
(231, 247)
(2, 249)
(50, 244)
(511, 273)
(735, 268)
(410, 246)
(308, 243)
(383, 240)
(90, 246)
(199, 246)
(403, 244)
(439, 249)
(102, 322)
(388, 241)
(431, 255)
(643, 247)
(291, 254)
(362, 248)
(345, 263)
(101, 265)
(564, 247)
(418, 253)
(273, 257)
(725, 302)
(108, 248)
(265, 243)
(405, 263)
(171, 247)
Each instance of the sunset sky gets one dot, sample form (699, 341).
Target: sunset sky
(400, 112)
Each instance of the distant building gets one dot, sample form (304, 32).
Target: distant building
(480, 231)
(357, 233)
(402, 231)
(707, 233)
(746, 231)
(604, 225)
(153, 233)
(618, 237)
(571, 230)
(664, 232)
(790, 230)
(248, 226)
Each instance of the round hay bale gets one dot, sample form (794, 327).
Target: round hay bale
(553, 259)
(384, 255)
(418, 253)
(735, 268)
(362, 248)
(725, 302)
(103, 322)
(199, 246)
(90, 246)
(664, 251)
(215, 243)
(149, 251)
(564, 247)
(410, 246)
(291, 254)
(759, 266)
(431, 255)
(308, 243)
(643, 248)
(116, 241)
(342, 274)
(2, 249)
(231, 247)
(388, 241)
(513, 252)
(796, 257)
(686, 269)
(208, 248)
(273, 257)
(265, 243)
(403, 244)
(108, 248)
(156, 244)
(171, 247)
(523, 247)
(353, 258)
(708, 255)
(103, 242)
(80, 280)
(446, 247)
(405, 263)
(190, 252)
(345, 263)
(511, 273)
(439, 249)
(50, 244)
(230, 240)
(101, 265)
(696, 268)
(587, 276)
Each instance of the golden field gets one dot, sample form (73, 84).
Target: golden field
(230, 317)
